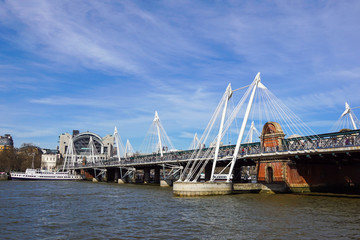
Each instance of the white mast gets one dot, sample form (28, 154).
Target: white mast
(70, 151)
(195, 143)
(93, 151)
(117, 142)
(256, 82)
(348, 111)
(251, 132)
(128, 149)
(228, 93)
(157, 140)
(157, 122)
(119, 146)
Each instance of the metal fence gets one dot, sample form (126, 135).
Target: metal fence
(322, 141)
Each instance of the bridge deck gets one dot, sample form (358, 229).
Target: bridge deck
(337, 142)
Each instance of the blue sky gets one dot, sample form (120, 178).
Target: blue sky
(91, 65)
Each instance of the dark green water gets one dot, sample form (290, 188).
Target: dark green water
(84, 210)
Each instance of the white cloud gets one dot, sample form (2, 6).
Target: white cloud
(346, 75)
(98, 36)
(95, 64)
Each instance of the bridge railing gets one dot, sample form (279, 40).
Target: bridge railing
(322, 141)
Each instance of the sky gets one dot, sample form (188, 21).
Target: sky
(94, 65)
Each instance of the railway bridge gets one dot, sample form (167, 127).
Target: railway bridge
(287, 156)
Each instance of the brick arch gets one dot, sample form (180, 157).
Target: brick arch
(271, 136)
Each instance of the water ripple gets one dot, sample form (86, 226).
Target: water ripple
(84, 210)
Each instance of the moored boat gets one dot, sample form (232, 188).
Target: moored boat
(37, 174)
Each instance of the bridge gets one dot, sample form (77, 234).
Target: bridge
(288, 155)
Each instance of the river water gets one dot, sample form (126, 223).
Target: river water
(86, 210)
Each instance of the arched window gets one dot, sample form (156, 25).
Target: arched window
(270, 128)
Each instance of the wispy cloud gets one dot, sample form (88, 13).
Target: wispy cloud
(89, 64)
(323, 100)
(346, 74)
(125, 39)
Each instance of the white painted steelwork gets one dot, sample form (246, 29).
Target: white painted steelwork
(92, 152)
(157, 141)
(228, 93)
(251, 133)
(255, 84)
(195, 143)
(129, 150)
(349, 112)
(118, 143)
(70, 152)
(157, 124)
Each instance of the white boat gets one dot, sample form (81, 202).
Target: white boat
(37, 174)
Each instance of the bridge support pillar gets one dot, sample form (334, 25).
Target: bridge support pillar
(132, 177)
(208, 169)
(237, 174)
(157, 175)
(147, 175)
(166, 183)
(116, 174)
(273, 173)
(122, 180)
(118, 178)
(88, 174)
(193, 189)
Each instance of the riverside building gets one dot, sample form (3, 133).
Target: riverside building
(6, 142)
(85, 144)
(50, 159)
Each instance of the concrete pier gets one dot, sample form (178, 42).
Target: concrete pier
(259, 188)
(193, 189)
(166, 183)
(116, 174)
(157, 175)
(121, 181)
(208, 169)
(147, 175)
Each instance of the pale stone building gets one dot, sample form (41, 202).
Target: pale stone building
(104, 145)
(50, 159)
